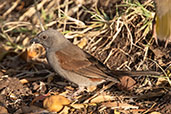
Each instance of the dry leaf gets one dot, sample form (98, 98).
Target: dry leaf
(116, 112)
(24, 81)
(158, 53)
(82, 43)
(127, 83)
(55, 103)
(41, 97)
(31, 53)
(102, 98)
(25, 41)
(65, 110)
(91, 88)
(3, 110)
(80, 106)
(28, 54)
(161, 81)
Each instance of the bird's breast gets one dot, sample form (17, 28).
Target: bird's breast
(54, 63)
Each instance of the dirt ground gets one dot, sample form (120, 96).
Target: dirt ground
(119, 33)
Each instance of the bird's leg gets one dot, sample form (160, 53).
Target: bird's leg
(167, 41)
(155, 34)
(80, 89)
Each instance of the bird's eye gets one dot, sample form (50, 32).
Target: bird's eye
(44, 37)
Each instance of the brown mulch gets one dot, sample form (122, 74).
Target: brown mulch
(117, 32)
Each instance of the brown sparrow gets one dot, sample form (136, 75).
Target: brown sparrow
(75, 65)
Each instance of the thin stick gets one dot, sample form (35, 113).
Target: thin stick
(38, 15)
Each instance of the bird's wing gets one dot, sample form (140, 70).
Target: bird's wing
(80, 62)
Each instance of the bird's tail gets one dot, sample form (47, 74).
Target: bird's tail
(135, 73)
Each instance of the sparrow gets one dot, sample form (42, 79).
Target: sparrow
(162, 27)
(76, 65)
